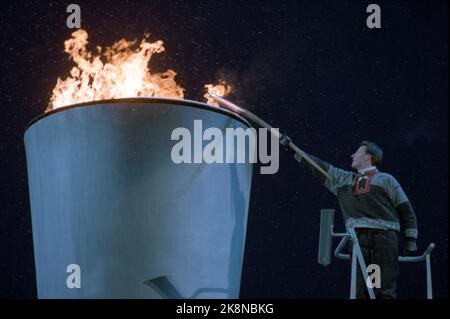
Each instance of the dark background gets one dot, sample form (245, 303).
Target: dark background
(311, 68)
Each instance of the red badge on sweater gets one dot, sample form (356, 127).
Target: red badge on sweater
(362, 182)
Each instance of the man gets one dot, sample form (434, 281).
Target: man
(376, 203)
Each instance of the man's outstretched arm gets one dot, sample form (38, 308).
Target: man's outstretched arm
(308, 167)
(285, 140)
(338, 176)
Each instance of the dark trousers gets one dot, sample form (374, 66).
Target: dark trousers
(379, 247)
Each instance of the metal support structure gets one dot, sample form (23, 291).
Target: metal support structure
(353, 278)
(429, 282)
(357, 257)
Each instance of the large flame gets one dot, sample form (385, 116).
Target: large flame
(121, 70)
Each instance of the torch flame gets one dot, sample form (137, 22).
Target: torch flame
(222, 89)
(119, 71)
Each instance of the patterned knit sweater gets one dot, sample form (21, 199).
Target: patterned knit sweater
(373, 199)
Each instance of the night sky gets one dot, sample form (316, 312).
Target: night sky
(311, 68)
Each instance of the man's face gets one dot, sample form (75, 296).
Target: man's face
(360, 158)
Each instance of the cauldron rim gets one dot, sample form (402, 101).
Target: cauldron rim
(149, 100)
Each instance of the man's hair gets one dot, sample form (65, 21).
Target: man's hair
(374, 150)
